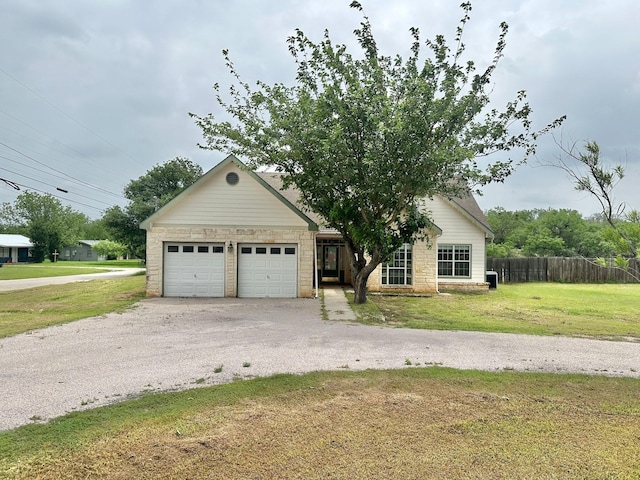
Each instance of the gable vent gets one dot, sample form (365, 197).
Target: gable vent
(232, 178)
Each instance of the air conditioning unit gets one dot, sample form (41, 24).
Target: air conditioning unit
(492, 279)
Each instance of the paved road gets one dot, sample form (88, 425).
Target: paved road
(167, 344)
(7, 285)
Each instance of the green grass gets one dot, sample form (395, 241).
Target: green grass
(31, 309)
(104, 264)
(18, 272)
(15, 271)
(412, 423)
(600, 311)
(409, 423)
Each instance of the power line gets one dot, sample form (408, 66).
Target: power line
(10, 183)
(53, 186)
(82, 182)
(32, 167)
(26, 187)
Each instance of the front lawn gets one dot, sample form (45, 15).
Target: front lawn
(600, 311)
(15, 271)
(30, 309)
(415, 423)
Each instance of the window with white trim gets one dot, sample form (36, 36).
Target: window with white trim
(454, 261)
(399, 271)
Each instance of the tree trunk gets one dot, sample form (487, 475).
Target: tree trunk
(360, 288)
(360, 271)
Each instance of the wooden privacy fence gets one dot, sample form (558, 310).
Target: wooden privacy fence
(561, 269)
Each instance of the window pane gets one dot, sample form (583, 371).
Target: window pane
(218, 249)
(187, 249)
(261, 250)
(445, 269)
(245, 250)
(454, 260)
(445, 253)
(289, 251)
(462, 253)
(398, 270)
(172, 248)
(203, 249)
(275, 250)
(462, 269)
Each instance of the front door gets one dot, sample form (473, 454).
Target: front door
(23, 255)
(330, 260)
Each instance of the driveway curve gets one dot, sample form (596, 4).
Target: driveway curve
(166, 344)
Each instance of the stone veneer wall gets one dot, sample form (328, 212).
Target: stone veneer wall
(462, 287)
(156, 236)
(424, 273)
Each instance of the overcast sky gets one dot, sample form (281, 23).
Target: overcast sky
(96, 92)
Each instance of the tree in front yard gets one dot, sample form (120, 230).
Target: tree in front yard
(366, 139)
(591, 174)
(146, 194)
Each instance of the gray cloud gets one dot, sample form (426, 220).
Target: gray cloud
(114, 81)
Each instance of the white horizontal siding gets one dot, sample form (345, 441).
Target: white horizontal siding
(215, 202)
(457, 229)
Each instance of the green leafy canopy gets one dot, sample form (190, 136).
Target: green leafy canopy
(146, 194)
(365, 139)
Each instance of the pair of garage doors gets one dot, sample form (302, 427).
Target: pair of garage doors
(198, 270)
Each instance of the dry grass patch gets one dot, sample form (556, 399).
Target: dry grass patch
(31, 309)
(414, 423)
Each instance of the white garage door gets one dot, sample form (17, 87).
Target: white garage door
(193, 270)
(267, 270)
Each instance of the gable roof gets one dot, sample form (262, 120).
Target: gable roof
(467, 205)
(231, 159)
(273, 183)
(14, 240)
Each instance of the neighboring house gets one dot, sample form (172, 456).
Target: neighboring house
(82, 252)
(14, 248)
(236, 233)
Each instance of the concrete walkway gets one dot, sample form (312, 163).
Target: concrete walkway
(336, 304)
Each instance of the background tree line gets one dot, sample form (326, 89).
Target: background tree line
(538, 232)
(51, 226)
(560, 233)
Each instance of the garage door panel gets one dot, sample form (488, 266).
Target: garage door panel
(193, 270)
(268, 271)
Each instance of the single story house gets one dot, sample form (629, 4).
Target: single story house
(14, 248)
(82, 251)
(236, 233)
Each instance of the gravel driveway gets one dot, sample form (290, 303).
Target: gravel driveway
(167, 344)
